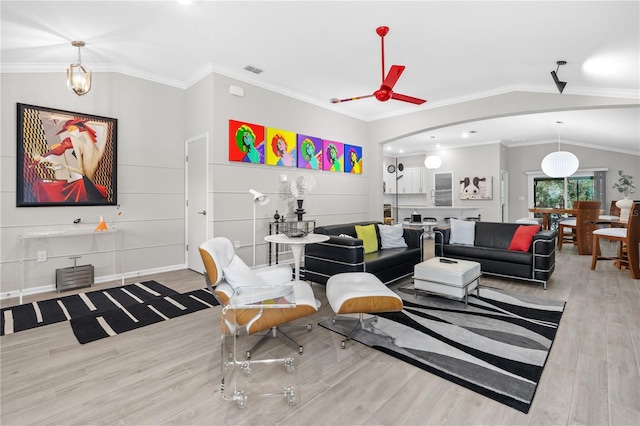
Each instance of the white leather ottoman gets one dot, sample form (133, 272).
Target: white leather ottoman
(360, 293)
(449, 279)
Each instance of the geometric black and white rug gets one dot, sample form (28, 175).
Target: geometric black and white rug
(497, 346)
(103, 313)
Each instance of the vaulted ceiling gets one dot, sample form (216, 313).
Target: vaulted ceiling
(453, 51)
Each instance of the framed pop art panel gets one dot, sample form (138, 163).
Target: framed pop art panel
(353, 159)
(332, 156)
(309, 152)
(246, 142)
(476, 188)
(65, 158)
(281, 148)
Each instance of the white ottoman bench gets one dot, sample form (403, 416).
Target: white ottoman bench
(455, 279)
(360, 293)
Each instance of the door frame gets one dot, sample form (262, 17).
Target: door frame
(204, 136)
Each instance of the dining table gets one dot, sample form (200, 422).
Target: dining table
(546, 213)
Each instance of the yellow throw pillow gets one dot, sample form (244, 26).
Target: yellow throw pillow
(367, 234)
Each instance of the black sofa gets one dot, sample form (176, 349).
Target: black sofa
(343, 254)
(490, 249)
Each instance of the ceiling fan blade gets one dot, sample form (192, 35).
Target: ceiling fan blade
(406, 98)
(393, 75)
(337, 101)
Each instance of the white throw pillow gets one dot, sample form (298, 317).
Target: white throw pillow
(391, 236)
(462, 232)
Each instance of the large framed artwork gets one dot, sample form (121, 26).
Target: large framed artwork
(309, 152)
(281, 148)
(333, 156)
(476, 188)
(65, 158)
(246, 142)
(353, 159)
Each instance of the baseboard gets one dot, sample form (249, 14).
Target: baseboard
(97, 280)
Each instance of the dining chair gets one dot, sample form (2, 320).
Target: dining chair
(612, 214)
(578, 230)
(628, 239)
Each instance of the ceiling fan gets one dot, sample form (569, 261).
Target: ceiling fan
(385, 92)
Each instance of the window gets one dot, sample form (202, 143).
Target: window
(584, 185)
(552, 192)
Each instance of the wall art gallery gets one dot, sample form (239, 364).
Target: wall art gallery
(254, 143)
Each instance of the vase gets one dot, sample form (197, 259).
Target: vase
(625, 208)
(300, 211)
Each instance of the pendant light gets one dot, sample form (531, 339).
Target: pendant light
(560, 163)
(432, 162)
(78, 77)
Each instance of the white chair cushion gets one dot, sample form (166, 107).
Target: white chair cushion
(238, 274)
(611, 232)
(568, 222)
(608, 217)
(530, 220)
(342, 288)
(275, 274)
(303, 294)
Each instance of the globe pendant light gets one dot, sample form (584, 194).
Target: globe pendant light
(561, 163)
(432, 162)
(78, 77)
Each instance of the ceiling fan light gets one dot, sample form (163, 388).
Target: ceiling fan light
(432, 162)
(560, 164)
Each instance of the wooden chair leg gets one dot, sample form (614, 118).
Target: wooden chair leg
(595, 252)
(633, 254)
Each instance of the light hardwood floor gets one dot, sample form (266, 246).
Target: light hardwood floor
(169, 373)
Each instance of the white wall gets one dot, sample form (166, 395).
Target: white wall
(339, 197)
(150, 174)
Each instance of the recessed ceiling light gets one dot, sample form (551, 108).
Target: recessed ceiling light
(465, 135)
(253, 69)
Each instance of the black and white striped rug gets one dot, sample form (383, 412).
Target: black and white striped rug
(103, 313)
(497, 346)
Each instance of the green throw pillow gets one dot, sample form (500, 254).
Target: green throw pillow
(369, 237)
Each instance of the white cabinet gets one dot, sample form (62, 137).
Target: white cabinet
(389, 180)
(418, 180)
(412, 180)
(404, 182)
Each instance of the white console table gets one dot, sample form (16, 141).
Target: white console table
(68, 245)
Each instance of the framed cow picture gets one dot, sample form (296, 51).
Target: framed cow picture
(476, 188)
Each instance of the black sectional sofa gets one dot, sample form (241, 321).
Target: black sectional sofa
(490, 249)
(343, 254)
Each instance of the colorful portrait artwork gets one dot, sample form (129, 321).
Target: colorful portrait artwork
(353, 159)
(246, 142)
(281, 148)
(65, 158)
(309, 152)
(332, 156)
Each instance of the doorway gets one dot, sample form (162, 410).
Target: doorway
(196, 202)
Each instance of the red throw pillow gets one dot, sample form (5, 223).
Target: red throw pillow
(523, 237)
